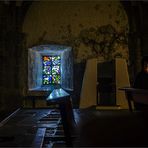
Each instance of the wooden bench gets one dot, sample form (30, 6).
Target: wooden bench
(63, 99)
(135, 95)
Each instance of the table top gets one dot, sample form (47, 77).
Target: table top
(57, 95)
(135, 90)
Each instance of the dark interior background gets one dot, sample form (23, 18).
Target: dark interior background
(13, 70)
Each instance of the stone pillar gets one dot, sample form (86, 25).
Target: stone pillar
(88, 91)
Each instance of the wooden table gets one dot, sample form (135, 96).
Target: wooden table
(136, 95)
(62, 98)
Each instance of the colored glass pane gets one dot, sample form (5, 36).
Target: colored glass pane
(56, 79)
(47, 70)
(56, 70)
(51, 70)
(56, 60)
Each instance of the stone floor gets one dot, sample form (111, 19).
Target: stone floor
(113, 128)
(97, 128)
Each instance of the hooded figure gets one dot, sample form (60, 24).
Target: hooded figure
(141, 81)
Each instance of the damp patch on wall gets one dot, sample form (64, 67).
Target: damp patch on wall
(94, 29)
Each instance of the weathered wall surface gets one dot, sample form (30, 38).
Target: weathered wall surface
(93, 28)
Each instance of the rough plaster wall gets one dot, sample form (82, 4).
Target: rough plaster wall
(80, 24)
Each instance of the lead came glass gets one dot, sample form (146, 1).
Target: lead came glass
(51, 70)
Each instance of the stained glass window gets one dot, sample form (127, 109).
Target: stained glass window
(51, 70)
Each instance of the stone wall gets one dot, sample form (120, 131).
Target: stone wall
(11, 44)
(93, 28)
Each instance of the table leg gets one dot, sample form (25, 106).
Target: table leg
(66, 126)
(129, 98)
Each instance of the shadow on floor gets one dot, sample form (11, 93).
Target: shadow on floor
(113, 128)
